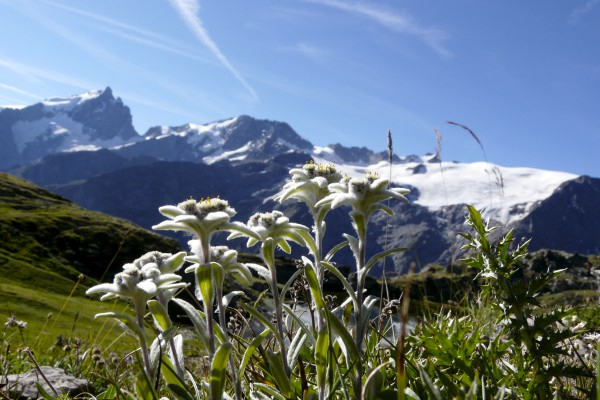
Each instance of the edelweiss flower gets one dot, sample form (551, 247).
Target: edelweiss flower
(201, 218)
(225, 257)
(363, 194)
(166, 262)
(140, 281)
(309, 183)
(278, 228)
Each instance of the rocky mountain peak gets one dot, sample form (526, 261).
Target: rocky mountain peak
(105, 117)
(88, 121)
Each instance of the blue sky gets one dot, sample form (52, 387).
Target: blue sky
(524, 76)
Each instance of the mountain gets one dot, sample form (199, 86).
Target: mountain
(246, 161)
(47, 240)
(238, 138)
(568, 220)
(89, 121)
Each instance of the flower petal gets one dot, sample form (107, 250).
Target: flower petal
(147, 287)
(104, 287)
(170, 211)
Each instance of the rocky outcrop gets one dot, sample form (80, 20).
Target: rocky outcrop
(568, 220)
(23, 386)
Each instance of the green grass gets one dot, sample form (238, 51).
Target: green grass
(47, 244)
(50, 315)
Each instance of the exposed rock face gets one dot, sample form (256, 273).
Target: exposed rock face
(362, 155)
(24, 385)
(105, 117)
(95, 119)
(267, 137)
(568, 220)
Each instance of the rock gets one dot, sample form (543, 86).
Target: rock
(23, 385)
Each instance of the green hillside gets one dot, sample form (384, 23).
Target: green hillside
(47, 241)
(50, 248)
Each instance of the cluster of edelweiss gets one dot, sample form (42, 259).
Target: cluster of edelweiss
(321, 187)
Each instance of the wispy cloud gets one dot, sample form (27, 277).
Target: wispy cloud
(39, 75)
(132, 33)
(400, 22)
(189, 11)
(20, 91)
(310, 51)
(580, 11)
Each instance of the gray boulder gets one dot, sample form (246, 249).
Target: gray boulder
(23, 385)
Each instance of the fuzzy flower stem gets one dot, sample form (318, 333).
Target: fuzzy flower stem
(278, 308)
(139, 308)
(319, 271)
(223, 322)
(359, 331)
(178, 367)
(208, 306)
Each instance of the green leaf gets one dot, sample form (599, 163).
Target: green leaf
(344, 281)
(160, 315)
(45, 395)
(273, 393)
(307, 331)
(277, 370)
(175, 384)
(315, 289)
(433, 390)
(256, 314)
(251, 349)
(143, 387)
(321, 353)
(218, 371)
(295, 347)
(218, 273)
(349, 349)
(334, 250)
(179, 392)
(373, 260)
(109, 393)
(128, 320)
(289, 283)
(268, 252)
(204, 280)
(375, 383)
(197, 318)
(308, 241)
(353, 242)
(284, 246)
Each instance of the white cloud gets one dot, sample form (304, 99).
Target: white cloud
(189, 10)
(131, 32)
(579, 12)
(38, 75)
(20, 91)
(400, 22)
(310, 51)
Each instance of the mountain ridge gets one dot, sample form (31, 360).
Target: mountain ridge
(246, 160)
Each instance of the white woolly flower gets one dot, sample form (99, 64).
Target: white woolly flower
(138, 283)
(276, 227)
(225, 257)
(166, 262)
(363, 194)
(310, 183)
(201, 218)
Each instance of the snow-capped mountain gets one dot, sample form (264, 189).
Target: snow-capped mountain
(85, 148)
(89, 121)
(507, 194)
(235, 139)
